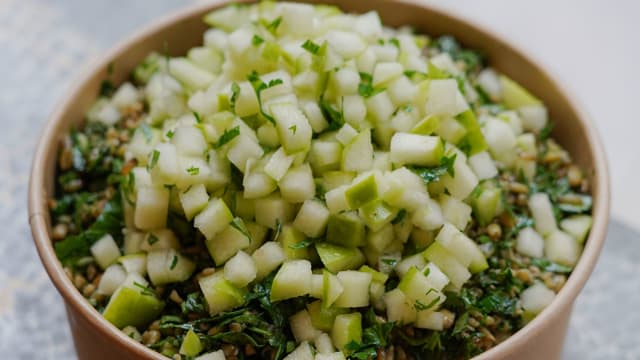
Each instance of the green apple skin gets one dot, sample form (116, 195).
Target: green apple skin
(130, 307)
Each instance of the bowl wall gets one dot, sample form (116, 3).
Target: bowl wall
(95, 338)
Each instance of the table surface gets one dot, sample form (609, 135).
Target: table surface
(45, 43)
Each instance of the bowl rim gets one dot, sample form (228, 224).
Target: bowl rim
(73, 298)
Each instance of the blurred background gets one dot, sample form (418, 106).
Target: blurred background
(591, 46)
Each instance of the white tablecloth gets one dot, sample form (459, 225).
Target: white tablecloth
(590, 44)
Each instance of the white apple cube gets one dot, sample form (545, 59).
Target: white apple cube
(293, 127)
(105, 251)
(312, 218)
(292, 280)
(355, 289)
(267, 258)
(298, 184)
(241, 269)
(213, 219)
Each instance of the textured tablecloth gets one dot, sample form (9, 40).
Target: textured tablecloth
(42, 46)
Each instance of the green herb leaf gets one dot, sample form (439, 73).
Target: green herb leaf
(145, 290)
(461, 323)
(239, 225)
(365, 88)
(174, 262)
(433, 174)
(499, 303)
(152, 239)
(293, 129)
(155, 155)
(170, 134)
(197, 116)
(278, 230)
(110, 221)
(335, 117)
(259, 86)
(235, 92)
(257, 40)
(301, 245)
(548, 265)
(311, 47)
(193, 171)
(227, 136)
(402, 214)
(272, 27)
(390, 262)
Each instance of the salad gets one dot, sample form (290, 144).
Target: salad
(310, 184)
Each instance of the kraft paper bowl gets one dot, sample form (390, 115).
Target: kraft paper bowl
(543, 338)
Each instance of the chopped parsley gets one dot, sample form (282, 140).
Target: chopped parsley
(155, 155)
(335, 117)
(152, 239)
(301, 245)
(365, 88)
(238, 224)
(235, 92)
(174, 262)
(257, 40)
(193, 171)
(259, 86)
(311, 47)
(227, 136)
(434, 173)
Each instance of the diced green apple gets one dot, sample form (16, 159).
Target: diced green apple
(542, 212)
(488, 204)
(191, 344)
(456, 272)
(312, 218)
(355, 289)
(346, 229)
(358, 154)
(292, 280)
(302, 352)
(194, 200)
(398, 308)
(462, 248)
(240, 270)
(293, 127)
(105, 251)
(362, 192)
(272, 210)
(346, 328)
(377, 214)
(535, 298)
(111, 279)
(419, 289)
(337, 258)
(267, 258)
(226, 244)
(577, 226)
(561, 248)
(416, 149)
(168, 266)
(302, 326)
(321, 316)
(213, 219)
(132, 307)
(220, 294)
(514, 95)
(289, 238)
(332, 288)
